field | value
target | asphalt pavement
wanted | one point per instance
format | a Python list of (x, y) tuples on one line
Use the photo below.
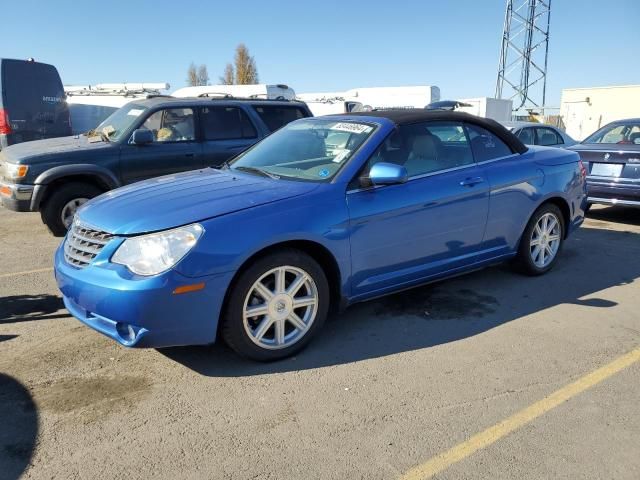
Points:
[(490, 375)]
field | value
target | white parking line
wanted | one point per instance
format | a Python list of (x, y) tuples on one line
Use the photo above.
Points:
[(26, 272)]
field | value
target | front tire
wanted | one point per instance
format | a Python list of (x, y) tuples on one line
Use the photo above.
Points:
[(59, 209), (276, 306), (541, 241)]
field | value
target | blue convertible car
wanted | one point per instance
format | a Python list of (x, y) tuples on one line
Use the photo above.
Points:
[(323, 213)]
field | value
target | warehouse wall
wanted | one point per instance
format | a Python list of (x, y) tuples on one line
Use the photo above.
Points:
[(584, 110)]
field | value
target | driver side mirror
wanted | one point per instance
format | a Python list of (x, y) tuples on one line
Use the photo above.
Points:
[(384, 173), (142, 136)]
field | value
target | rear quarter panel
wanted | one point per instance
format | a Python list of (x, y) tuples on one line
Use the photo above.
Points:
[(521, 183)]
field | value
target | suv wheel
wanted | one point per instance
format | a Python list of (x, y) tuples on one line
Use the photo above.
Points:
[(276, 306), (59, 209)]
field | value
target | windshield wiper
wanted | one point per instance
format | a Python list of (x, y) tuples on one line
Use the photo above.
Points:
[(260, 171)]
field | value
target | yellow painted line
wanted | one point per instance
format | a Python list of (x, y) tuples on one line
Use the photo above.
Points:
[(26, 272), (493, 434)]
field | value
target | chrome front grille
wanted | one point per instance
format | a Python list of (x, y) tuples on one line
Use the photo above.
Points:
[(83, 244)]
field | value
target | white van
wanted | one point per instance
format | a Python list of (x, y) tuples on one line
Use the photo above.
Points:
[(89, 105), (272, 92)]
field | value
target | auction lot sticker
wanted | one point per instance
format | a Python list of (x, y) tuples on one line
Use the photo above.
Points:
[(352, 127)]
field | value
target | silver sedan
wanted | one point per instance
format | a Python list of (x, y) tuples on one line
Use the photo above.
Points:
[(532, 133)]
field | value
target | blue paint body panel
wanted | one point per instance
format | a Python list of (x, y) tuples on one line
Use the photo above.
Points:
[(382, 238)]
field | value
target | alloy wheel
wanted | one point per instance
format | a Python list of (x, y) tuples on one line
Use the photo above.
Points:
[(545, 240), (280, 307)]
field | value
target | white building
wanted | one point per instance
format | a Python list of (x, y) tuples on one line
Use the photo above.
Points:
[(585, 110)]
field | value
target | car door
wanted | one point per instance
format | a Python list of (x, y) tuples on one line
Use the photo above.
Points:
[(401, 234), (226, 131), (514, 181), (174, 149)]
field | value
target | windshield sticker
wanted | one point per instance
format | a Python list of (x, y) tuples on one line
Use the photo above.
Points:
[(135, 112), (341, 155), (323, 173), (352, 127)]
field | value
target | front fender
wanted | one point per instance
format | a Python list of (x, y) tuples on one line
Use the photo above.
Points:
[(103, 175)]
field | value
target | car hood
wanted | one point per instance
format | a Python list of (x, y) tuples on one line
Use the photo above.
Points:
[(42, 150), (174, 200)]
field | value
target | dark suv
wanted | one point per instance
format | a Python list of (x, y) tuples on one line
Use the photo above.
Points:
[(144, 139)]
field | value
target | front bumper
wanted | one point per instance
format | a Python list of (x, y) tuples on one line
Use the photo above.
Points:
[(620, 192), (15, 196), (141, 311)]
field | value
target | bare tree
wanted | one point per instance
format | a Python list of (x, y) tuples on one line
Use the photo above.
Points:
[(197, 75), (203, 75), (192, 75), (246, 70), (228, 77)]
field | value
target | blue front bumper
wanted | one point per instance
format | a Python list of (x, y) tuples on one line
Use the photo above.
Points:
[(142, 311)]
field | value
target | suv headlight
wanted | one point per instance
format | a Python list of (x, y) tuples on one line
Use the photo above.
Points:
[(157, 252), (15, 171)]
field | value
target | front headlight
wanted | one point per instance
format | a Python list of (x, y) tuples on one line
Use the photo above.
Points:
[(157, 252), (15, 171)]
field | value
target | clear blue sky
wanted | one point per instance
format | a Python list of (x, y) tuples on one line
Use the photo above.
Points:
[(320, 46)]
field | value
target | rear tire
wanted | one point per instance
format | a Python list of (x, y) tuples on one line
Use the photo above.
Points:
[(541, 241), (272, 287), (62, 203)]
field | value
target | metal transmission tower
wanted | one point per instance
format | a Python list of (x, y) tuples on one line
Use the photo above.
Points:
[(522, 72)]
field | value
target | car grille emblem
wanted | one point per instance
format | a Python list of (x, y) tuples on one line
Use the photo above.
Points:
[(607, 156)]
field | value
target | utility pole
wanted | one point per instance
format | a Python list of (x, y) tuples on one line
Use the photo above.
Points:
[(522, 70)]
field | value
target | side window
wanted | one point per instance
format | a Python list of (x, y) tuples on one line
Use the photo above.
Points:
[(226, 123), (547, 137), (426, 148), (526, 136), (486, 145), (275, 116), (171, 125)]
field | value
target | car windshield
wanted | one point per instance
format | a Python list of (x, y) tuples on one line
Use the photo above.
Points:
[(119, 122), (621, 133), (312, 150)]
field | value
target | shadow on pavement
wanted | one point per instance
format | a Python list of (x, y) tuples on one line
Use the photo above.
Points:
[(624, 215), (4, 338), (19, 420), (25, 308)]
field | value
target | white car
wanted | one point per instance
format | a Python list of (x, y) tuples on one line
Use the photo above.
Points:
[(532, 133)]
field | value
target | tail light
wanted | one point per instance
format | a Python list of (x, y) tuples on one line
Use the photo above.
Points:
[(5, 126), (583, 169)]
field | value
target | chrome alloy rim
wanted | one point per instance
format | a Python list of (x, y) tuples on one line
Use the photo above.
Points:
[(545, 240), (70, 209), (280, 307)]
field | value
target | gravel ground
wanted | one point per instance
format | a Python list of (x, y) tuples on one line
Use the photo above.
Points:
[(386, 386)]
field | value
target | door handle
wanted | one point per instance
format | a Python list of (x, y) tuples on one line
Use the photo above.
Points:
[(189, 155), (470, 182)]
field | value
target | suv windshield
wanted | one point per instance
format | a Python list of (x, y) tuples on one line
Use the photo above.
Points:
[(625, 133), (305, 149), (116, 124)]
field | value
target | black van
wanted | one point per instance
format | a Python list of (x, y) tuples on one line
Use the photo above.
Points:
[(32, 102)]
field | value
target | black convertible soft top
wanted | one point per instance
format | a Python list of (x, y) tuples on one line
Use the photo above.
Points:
[(416, 115)]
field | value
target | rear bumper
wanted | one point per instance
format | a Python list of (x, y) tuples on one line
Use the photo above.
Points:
[(16, 197), (622, 192)]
